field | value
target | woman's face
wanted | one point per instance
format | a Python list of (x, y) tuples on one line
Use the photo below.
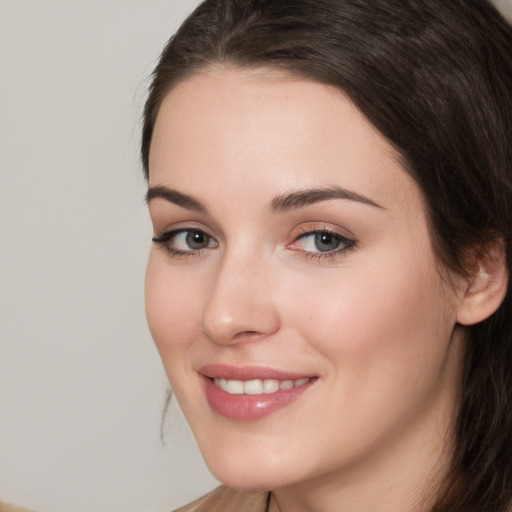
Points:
[(292, 292)]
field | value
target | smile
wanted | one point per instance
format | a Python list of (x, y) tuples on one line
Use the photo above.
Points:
[(258, 386), (251, 393)]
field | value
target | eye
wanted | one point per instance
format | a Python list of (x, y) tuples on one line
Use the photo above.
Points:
[(192, 240), (322, 243), (185, 241)]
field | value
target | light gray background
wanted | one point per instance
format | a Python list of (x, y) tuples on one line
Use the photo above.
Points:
[(81, 385)]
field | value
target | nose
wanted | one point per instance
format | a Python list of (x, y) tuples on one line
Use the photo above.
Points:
[(240, 305)]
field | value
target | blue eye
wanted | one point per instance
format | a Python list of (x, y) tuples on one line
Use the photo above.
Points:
[(326, 242), (192, 240), (183, 241), (322, 243)]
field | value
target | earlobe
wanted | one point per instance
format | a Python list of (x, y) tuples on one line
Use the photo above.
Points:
[(486, 285)]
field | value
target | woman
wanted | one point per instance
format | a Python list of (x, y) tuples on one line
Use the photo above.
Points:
[(329, 185)]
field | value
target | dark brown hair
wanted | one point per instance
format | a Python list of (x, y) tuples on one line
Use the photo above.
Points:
[(435, 78)]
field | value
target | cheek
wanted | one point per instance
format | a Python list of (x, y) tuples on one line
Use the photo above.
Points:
[(170, 307), (385, 341), (392, 328)]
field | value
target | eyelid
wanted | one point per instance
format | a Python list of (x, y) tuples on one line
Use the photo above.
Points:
[(171, 233), (314, 227), (308, 228), (165, 237), (165, 225), (348, 242)]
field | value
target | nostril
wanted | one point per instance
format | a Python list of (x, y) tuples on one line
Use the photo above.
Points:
[(249, 336)]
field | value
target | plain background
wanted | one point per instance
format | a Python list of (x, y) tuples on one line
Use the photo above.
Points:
[(81, 385)]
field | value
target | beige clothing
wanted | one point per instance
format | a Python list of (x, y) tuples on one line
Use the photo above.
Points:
[(7, 507), (224, 499)]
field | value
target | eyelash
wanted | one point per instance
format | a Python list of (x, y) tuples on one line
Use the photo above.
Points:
[(164, 238), (348, 244)]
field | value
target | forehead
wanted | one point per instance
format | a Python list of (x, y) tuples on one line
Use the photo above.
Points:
[(262, 128)]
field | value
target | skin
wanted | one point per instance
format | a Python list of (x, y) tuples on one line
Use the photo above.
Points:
[(376, 323)]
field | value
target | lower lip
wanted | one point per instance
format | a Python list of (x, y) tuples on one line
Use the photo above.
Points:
[(250, 407)]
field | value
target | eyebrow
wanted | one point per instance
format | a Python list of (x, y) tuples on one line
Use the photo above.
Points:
[(279, 204), (301, 198), (175, 197)]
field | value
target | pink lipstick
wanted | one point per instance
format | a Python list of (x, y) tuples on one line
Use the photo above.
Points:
[(250, 393)]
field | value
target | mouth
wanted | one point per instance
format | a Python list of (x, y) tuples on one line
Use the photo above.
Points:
[(251, 393), (258, 386)]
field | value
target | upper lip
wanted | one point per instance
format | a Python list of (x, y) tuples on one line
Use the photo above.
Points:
[(224, 371)]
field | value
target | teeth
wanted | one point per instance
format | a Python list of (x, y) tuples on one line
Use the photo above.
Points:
[(270, 386), (253, 387), (286, 384), (257, 386), (235, 387)]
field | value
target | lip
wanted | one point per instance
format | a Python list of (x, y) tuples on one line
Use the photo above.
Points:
[(224, 371), (249, 407)]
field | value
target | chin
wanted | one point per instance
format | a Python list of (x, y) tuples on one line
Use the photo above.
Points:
[(243, 472), (248, 483)]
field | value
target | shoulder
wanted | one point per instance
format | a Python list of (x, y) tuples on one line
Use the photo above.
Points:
[(224, 499)]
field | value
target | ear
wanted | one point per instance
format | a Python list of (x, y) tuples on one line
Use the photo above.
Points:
[(486, 284)]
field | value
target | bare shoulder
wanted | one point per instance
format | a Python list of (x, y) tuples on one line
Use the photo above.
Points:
[(224, 499)]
